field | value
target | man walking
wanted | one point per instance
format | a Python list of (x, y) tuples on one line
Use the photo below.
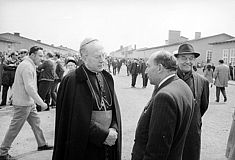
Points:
[(134, 70), (222, 76), (24, 98)]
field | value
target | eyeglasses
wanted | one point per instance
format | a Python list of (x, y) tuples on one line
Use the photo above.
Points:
[(23, 52), (187, 58)]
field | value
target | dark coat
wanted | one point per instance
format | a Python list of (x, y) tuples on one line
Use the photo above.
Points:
[(134, 69), (73, 116), (9, 69), (1, 69), (47, 70), (193, 139), (164, 123), (59, 70), (142, 69)]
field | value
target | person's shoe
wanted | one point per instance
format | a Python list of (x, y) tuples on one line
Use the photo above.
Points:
[(7, 157), (48, 109), (39, 109), (45, 147), (216, 100), (225, 99)]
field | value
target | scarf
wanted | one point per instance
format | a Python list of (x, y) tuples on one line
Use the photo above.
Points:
[(187, 78)]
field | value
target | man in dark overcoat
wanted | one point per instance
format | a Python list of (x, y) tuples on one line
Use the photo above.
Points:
[(143, 67), (200, 88), (88, 121), (134, 71), (164, 123)]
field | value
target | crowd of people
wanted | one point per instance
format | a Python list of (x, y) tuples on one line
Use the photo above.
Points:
[(50, 71), (88, 118), (134, 67)]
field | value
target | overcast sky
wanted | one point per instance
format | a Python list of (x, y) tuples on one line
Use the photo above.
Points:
[(122, 22)]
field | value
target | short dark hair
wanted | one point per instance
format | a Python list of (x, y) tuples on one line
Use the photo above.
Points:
[(221, 61), (57, 55), (49, 55), (13, 53), (34, 49), (167, 60)]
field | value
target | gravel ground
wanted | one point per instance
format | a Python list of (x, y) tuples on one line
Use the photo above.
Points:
[(215, 129)]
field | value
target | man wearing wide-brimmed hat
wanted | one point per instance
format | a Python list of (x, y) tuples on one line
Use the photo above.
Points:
[(186, 57)]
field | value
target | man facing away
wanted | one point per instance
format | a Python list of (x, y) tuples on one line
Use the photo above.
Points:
[(88, 121), (134, 70), (199, 86), (221, 75), (24, 98), (164, 123)]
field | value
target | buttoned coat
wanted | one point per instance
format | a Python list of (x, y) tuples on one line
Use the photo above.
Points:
[(221, 75), (164, 123), (193, 140)]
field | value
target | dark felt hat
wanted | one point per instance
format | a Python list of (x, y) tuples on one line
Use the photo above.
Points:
[(186, 49)]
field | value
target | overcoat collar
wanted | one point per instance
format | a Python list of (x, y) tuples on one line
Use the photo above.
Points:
[(156, 89)]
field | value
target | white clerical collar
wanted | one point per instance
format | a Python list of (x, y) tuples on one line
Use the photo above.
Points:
[(168, 77)]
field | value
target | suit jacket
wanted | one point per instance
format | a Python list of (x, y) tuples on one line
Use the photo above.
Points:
[(164, 123), (47, 70), (73, 117), (193, 140), (221, 75)]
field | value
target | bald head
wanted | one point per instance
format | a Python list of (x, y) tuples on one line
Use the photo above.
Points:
[(165, 58), (160, 65), (90, 45)]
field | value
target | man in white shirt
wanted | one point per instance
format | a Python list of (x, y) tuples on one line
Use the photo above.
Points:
[(25, 96)]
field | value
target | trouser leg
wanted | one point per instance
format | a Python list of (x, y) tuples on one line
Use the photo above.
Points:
[(223, 92), (127, 71), (34, 121), (54, 92), (19, 117), (4, 94), (48, 93), (43, 91), (217, 93), (145, 80), (134, 76)]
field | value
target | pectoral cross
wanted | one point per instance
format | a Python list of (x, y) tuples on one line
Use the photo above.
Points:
[(102, 103)]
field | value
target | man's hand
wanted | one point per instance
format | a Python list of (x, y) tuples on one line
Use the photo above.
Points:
[(44, 106), (111, 138)]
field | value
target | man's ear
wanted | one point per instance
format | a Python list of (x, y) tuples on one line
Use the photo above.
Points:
[(160, 67)]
